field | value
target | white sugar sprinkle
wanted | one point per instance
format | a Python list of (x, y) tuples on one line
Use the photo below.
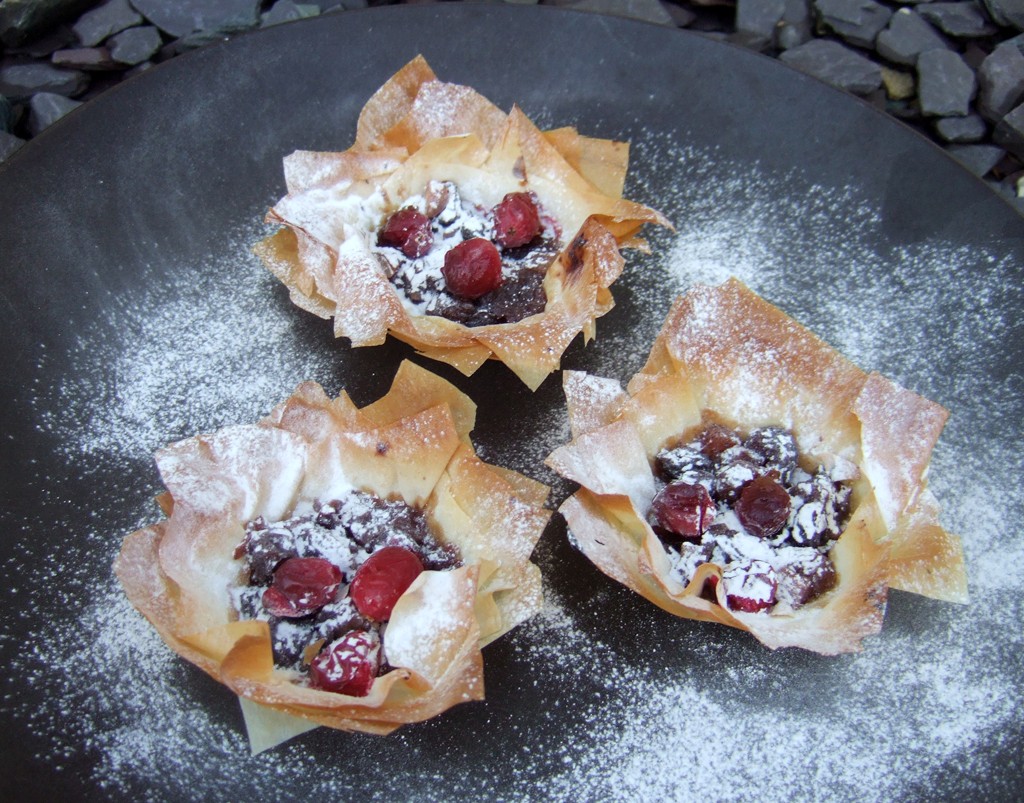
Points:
[(582, 719)]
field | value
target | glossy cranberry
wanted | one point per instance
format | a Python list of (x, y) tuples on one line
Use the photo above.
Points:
[(710, 586), (683, 509), (382, 579), (472, 268), (516, 220), (409, 231), (347, 665), (301, 586), (738, 602), (763, 507)]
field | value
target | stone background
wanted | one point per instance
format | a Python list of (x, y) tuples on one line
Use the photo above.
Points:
[(953, 70)]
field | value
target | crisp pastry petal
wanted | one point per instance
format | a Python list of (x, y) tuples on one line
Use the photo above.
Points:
[(411, 444), (726, 355), (416, 129)]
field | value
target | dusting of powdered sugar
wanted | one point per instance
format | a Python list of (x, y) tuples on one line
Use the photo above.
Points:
[(918, 699), (600, 696), (208, 346)]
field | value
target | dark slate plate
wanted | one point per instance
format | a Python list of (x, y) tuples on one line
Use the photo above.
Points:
[(133, 315)]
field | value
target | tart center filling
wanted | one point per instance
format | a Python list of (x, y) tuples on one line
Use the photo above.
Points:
[(469, 264), (327, 581), (746, 504)]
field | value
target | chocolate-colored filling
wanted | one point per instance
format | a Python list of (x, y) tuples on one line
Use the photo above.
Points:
[(343, 533), (745, 504), (451, 221)]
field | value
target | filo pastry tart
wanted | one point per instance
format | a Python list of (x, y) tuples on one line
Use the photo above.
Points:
[(461, 230), (751, 475), (339, 566)]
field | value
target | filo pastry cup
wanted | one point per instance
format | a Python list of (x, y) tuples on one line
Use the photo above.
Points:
[(726, 355), (416, 129), (412, 444)]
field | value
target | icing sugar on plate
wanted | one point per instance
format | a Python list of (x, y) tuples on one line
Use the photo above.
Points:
[(601, 696)]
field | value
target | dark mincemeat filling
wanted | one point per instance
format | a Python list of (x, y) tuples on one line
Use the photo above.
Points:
[(744, 503), (345, 532), (520, 295)]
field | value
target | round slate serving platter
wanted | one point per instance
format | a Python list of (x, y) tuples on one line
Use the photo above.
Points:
[(134, 315)]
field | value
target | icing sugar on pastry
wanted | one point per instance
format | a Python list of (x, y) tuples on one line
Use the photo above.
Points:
[(497, 295), (833, 466), (299, 556)]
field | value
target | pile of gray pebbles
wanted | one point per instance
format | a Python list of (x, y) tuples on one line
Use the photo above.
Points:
[(952, 69)]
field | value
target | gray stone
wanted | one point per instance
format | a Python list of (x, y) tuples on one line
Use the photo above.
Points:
[(23, 20), (84, 58), (9, 144), (20, 81), (1008, 189), (979, 159), (945, 84), (1010, 132), (193, 41), (6, 114), (681, 17), (138, 68), (907, 37), (647, 10), (835, 64), (342, 5), (1009, 13), (904, 110), (1017, 41), (45, 109), (1000, 81), (46, 45), (796, 26), (757, 21), (790, 36), (286, 11), (183, 17), (106, 20), (135, 45), (971, 128), (856, 21), (798, 12), (974, 54), (965, 20)]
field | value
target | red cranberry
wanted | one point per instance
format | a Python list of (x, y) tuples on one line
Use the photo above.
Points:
[(763, 507), (382, 579), (516, 220), (409, 231), (684, 509), (748, 604), (472, 268), (301, 586), (708, 591), (750, 587), (347, 665)]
